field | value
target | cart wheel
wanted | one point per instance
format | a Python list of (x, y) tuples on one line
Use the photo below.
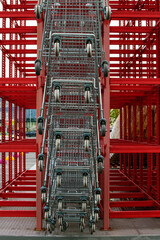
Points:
[(59, 205), (108, 13), (48, 227), (85, 181), (40, 165), (91, 230), (87, 96), (61, 228), (82, 221), (57, 95), (46, 214), (53, 227), (93, 227), (89, 49), (81, 227), (100, 167), (58, 180), (84, 206), (96, 216), (60, 221), (103, 130), (38, 11), (56, 48), (40, 128), (57, 144), (105, 70), (38, 68), (98, 197), (43, 197), (86, 143)]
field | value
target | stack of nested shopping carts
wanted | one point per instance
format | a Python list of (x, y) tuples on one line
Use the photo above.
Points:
[(71, 113)]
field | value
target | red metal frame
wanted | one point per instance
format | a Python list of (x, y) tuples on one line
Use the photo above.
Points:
[(18, 88), (134, 79), (132, 46)]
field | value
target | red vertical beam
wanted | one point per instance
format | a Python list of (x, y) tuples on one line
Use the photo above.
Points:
[(20, 138), (11, 46), (158, 104), (15, 47), (141, 138), (10, 104), (39, 96), (125, 123), (10, 139), (158, 142), (149, 155), (121, 137), (129, 138), (134, 139), (3, 49), (24, 136), (3, 140), (15, 138), (3, 105), (125, 137), (106, 106)]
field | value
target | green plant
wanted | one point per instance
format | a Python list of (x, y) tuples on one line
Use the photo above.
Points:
[(114, 113)]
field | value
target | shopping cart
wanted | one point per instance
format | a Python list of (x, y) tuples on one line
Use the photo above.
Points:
[(71, 54)]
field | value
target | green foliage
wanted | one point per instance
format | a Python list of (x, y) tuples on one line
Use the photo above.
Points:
[(114, 113)]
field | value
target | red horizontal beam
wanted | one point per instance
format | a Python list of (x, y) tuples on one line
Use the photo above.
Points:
[(18, 42), (27, 70), (134, 149), (18, 80), (22, 94), (24, 65), (120, 183), (137, 14), (28, 178), (131, 29), (17, 203), (123, 188), (132, 74), (127, 195), (120, 65), (135, 80), (146, 203), (135, 214), (17, 195), (21, 6), (19, 30), (25, 59), (18, 88), (29, 15), (25, 183), (18, 188), (116, 178), (17, 213), (126, 42), (33, 173), (132, 59), (132, 88), (118, 51), (19, 146), (126, 94), (24, 51)]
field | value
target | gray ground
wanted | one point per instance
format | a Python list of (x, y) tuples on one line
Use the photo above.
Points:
[(119, 227)]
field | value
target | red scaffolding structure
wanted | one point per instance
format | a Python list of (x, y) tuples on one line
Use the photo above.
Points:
[(132, 45)]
